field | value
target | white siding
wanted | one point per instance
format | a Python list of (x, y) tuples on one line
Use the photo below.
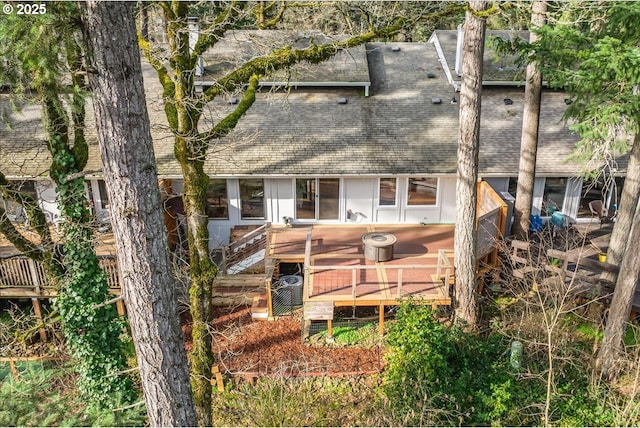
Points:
[(538, 195), (279, 199), (360, 196), (572, 197)]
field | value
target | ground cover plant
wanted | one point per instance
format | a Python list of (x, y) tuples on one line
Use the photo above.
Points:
[(45, 394)]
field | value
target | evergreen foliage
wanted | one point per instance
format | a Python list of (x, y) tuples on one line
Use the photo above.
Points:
[(42, 54), (595, 59), (44, 396)]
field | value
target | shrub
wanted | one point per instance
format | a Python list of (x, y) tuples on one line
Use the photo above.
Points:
[(443, 375)]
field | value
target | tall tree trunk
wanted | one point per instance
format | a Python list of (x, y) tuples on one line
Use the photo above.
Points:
[(628, 201), (529, 139), (203, 271), (624, 242), (613, 340), (136, 212), (466, 305)]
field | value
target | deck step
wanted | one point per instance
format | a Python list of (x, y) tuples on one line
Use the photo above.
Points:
[(260, 307), (246, 261), (239, 280), (238, 289)]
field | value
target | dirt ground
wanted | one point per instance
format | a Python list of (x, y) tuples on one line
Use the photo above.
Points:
[(256, 348)]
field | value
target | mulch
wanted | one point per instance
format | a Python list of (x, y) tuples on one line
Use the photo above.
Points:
[(247, 348)]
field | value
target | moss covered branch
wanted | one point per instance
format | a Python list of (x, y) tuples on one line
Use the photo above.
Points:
[(263, 10), (18, 240), (286, 57), (227, 124), (214, 31), (485, 13)]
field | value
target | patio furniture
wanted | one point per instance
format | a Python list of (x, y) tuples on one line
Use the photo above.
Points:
[(598, 211), (378, 246)]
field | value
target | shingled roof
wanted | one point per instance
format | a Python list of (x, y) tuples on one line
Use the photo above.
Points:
[(497, 69), (396, 130), (347, 68)]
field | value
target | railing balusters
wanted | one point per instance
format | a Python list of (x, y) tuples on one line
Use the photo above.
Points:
[(23, 272)]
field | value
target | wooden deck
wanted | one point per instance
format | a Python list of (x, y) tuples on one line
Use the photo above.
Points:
[(337, 271)]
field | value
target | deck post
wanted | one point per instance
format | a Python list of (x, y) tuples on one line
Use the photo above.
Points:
[(270, 297), (329, 329), (37, 309), (307, 266), (122, 311), (381, 319), (353, 284), (399, 284), (14, 369)]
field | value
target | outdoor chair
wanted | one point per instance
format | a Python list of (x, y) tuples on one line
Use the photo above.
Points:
[(598, 211)]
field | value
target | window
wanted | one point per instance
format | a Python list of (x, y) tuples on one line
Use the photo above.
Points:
[(104, 198), (513, 186), (604, 188), (554, 191), (306, 198), (387, 191), (217, 206), (252, 198), (422, 191)]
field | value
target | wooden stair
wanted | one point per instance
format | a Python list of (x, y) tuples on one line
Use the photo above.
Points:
[(260, 307), (237, 289), (242, 248)]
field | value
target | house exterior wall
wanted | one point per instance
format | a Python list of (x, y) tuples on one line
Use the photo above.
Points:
[(46, 190), (357, 195), (572, 194), (360, 195)]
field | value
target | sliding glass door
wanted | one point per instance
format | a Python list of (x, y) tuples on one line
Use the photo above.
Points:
[(318, 198)]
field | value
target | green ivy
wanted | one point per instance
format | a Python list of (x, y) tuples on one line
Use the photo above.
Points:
[(93, 334)]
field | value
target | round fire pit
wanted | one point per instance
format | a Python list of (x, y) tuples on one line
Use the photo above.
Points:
[(378, 246)]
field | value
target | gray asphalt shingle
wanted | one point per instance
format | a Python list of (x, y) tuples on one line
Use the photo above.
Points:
[(396, 130)]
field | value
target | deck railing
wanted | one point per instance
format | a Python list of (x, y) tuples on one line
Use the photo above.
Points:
[(29, 276), (245, 246), (443, 275)]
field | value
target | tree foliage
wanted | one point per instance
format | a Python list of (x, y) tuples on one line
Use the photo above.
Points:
[(598, 63), (596, 60), (184, 108), (42, 58)]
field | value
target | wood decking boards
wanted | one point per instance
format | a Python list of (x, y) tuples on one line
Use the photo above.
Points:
[(339, 248)]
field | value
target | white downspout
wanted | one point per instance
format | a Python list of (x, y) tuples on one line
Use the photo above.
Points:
[(458, 66)]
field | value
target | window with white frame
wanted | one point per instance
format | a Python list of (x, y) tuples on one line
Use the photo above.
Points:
[(422, 191), (217, 199), (252, 198), (387, 190)]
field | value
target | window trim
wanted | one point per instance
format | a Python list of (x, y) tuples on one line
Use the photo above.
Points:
[(395, 195), (437, 192), (242, 217)]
